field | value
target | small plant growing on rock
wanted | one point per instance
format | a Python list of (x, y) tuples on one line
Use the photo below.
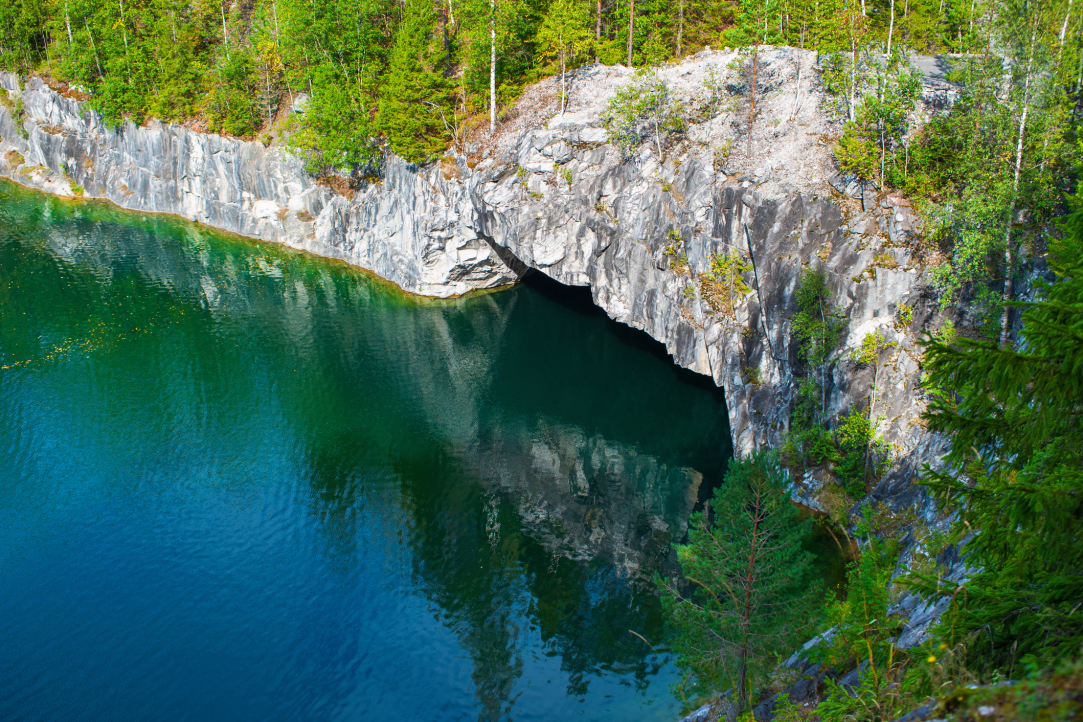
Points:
[(884, 259), (641, 109), (723, 284), (753, 374), (566, 174), (904, 317)]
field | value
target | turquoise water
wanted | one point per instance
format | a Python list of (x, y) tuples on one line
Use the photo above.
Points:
[(242, 483)]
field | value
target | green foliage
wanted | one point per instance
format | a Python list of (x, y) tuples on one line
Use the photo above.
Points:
[(859, 452), (723, 285), (809, 441), (854, 615), (414, 82), (870, 348), (752, 593), (856, 152), (882, 120), (335, 133), (564, 34), (816, 324), (641, 109), (14, 103), (230, 105), (1015, 474)]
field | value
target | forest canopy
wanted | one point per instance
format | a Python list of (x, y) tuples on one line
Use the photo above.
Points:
[(407, 73)]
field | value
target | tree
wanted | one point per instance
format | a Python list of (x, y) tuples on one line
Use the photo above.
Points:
[(640, 109), (816, 325), (751, 593), (564, 34), (1026, 31), (1015, 475), (415, 93)]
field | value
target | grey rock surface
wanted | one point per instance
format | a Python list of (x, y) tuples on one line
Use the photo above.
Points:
[(413, 228)]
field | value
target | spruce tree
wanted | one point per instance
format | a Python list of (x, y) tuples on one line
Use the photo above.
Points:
[(1015, 474), (414, 101), (750, 595)]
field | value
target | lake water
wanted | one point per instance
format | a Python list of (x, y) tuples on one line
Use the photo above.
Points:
[(242, 483)]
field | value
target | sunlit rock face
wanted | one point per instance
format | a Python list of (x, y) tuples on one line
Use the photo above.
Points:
[(413, 228), (551, 194)]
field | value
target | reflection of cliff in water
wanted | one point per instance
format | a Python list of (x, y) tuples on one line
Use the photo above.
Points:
[(541, 463)]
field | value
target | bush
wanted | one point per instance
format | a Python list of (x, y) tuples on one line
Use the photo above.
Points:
[(642, 109)]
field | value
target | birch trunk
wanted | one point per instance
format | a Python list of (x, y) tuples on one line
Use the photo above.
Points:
[(597, 30), (891, 27), (225, 34), (752, 108), (492, 66), (1009, 252)]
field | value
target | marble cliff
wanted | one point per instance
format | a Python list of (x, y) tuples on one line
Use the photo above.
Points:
[(550, 193)]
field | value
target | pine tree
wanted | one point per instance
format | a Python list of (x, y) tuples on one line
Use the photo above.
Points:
[(752, 596), (415, 94)]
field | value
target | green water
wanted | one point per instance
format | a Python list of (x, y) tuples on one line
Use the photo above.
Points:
[(238, 482)]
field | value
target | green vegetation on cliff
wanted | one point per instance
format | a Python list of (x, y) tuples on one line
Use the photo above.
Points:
[(420, 75)]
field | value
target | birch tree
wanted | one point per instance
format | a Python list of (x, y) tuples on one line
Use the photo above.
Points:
[(563, 35)]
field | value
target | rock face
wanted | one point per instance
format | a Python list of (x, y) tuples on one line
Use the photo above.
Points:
[(556, 197), (413, 228)]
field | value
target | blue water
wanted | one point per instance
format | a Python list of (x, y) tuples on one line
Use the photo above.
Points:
[(241, 483)]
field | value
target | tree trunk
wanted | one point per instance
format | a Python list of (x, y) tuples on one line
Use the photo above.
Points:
[(1064, 28), (823, 341), (93, 45), (631, 28), (853, 78), (225, 34), (1009, 252), (756, 509), (891, 27), (563, 87), (797, 97), (67, 22), (680, 27), (882, 156), (597, 30), (742, 681), (492, 66)]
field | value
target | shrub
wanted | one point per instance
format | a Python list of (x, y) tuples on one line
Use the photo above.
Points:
[(642, 109)]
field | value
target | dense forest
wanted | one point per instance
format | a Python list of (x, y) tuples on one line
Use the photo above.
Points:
[(414, 73)]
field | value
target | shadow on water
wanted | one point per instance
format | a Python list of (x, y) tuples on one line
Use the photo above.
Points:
[(515, 467), (578, 299)]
